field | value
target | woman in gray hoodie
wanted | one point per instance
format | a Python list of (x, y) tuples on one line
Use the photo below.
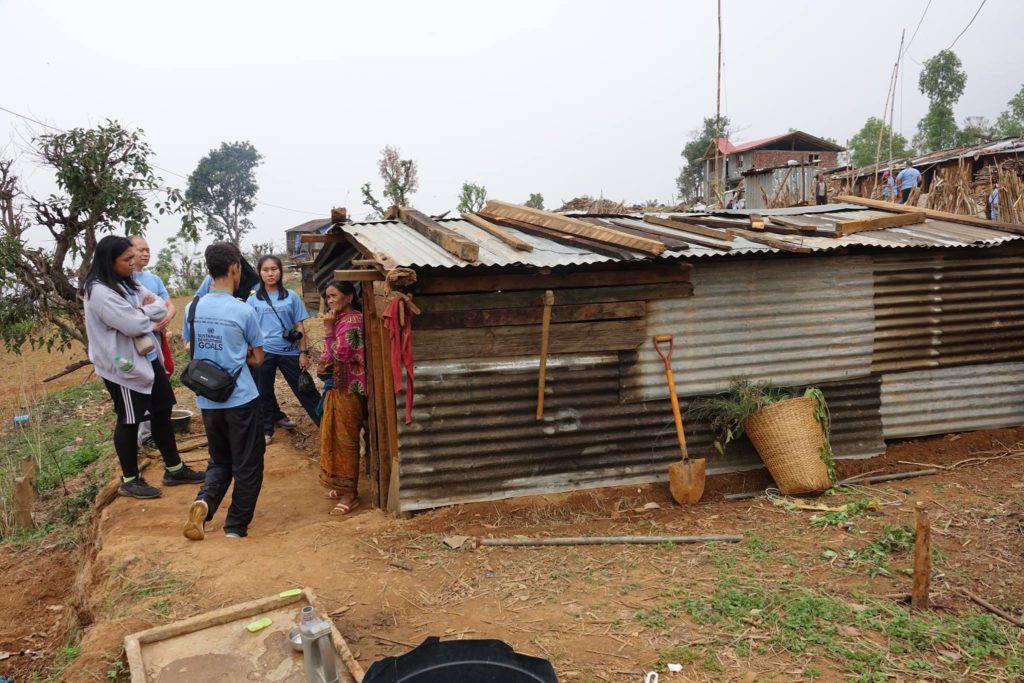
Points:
[(119, 318)]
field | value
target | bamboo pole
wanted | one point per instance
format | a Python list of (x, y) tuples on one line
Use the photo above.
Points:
[(922, 558)]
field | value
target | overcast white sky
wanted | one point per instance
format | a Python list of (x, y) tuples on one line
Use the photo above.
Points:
[(562, 98)]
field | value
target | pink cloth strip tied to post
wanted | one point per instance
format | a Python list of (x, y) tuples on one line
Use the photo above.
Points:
[(398, 319)]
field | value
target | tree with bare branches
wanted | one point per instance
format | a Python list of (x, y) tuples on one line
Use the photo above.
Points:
[(400, 178), (105, 184)]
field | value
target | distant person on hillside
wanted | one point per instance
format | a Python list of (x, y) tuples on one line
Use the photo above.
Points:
[(227, 333), (120, 316), (888, 186), (280, 313), (820, 190), (992, 205), (153, 283), (907, 180)]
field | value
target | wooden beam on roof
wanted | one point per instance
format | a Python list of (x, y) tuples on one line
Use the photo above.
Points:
[(573, 226), (803, 225), (756, 221), (563, 237), (695, 225), (772, 242), (322, 239), (688, 238), (933, 213), (449, 240), (359, 275), (893, 220), (501, 233), (669, 273), (671, 241)]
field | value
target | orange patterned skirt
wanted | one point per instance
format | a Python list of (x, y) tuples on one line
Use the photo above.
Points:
[(344, 415)]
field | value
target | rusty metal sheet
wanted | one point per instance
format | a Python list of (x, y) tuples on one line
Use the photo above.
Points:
[(855, 409), (794, 321), (955, 399), (946, 308)]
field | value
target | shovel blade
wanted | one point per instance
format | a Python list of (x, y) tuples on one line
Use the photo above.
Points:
[(686, 481)]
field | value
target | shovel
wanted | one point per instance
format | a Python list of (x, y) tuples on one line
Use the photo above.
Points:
[(686, 478)]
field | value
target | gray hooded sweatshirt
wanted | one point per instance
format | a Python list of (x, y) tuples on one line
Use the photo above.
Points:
[(112, 322)]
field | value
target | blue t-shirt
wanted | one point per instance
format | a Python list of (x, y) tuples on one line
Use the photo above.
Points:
[(153, 283), (907, 179), (204, 288), (225, 329), (291, 310)]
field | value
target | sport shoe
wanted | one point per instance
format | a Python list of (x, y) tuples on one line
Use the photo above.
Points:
[(138, 488), (186, 475), (195, 527), (232, 534), (286, 423)]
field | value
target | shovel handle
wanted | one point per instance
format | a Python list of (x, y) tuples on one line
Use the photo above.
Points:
[(663, 339), (671, 380)]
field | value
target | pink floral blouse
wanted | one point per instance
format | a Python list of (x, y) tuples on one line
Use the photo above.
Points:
[(345, 350)]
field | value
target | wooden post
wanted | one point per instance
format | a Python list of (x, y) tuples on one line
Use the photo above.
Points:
[(922, 558), (545, 330)]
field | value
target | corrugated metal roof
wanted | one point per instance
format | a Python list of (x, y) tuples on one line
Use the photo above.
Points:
[(943, 400), (406, 247), (1007, 146), (793, 322)]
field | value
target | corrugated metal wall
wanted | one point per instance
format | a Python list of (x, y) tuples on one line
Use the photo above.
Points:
[(793, 321), (942, 308), (953, 399), (800, 181)]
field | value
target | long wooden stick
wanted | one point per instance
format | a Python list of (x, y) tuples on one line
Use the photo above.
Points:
[(886, 477), (545, 331), (608, 540), (497, 231), (982, 602), (922, 558)]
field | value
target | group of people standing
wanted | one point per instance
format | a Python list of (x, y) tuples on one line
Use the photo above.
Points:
[(252, 335)]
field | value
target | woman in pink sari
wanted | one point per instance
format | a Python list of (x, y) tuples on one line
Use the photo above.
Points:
[(344, 357)]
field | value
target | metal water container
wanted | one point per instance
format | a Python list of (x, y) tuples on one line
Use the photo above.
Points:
[(318, 658)]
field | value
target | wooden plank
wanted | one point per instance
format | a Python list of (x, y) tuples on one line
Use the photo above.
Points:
[(565, 238), (895, 220), (671, 241), (679, 272), (757, 222), (317, 238), (374, 395), (524, 340), (691, 225), (359, 275), (804, 223), (432, 304), (764, 239), (391, 458), (496, 317), (497, 231), (933, 213), (449, 240), (573, 226)]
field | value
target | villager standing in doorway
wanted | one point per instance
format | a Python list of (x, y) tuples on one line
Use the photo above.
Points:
[(120, 316), (344, 410), (820, 190), (280, 313)]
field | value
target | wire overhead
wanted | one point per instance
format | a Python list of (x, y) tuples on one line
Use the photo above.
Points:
[(968, 25)]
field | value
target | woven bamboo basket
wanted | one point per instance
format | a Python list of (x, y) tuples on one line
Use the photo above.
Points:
[(789, 438)]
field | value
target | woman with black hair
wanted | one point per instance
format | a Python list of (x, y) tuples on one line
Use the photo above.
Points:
[(119, 317), (280, 313), (344, 358)]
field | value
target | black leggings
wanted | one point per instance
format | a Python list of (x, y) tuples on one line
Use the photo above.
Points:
[(126, 443)]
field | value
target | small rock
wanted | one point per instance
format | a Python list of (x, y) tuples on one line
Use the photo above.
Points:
[(849, 631)]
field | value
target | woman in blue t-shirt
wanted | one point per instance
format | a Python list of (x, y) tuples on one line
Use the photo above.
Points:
[(280, 313)]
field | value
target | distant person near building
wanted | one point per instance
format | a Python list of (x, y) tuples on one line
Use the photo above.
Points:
[(907, 180), (992, 205), (820, 190), (888, 186)]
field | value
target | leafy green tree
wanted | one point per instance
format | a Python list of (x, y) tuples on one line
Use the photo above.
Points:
[(976, 131), (1011, 122), (942, 81), (536, 201), (223, 187), (181, 265), (472, 198), (864, 145), (692, 173), (105, 184), (401, 180)]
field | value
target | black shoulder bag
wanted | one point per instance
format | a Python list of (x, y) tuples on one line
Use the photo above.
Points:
[(205, 377)]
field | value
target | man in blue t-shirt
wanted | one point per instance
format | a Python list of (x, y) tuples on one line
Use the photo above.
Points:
[(226, 332), (907, 180)]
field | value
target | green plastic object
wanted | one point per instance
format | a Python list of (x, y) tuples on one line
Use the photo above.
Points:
[(290, 593), (259, 624)]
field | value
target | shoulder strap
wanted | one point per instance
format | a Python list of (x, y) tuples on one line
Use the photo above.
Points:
[(270, 303), (192, 328)]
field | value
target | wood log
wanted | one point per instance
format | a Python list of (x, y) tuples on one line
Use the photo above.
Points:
[(432, 304), (564, 238), (573, 226), (933, 213), (495, 317), (449, 240), (922, 558), (359, 275), (679, 272), (23, 498), (521, 340), (339, 214), (895, 220), (694, 225), (497, 231)]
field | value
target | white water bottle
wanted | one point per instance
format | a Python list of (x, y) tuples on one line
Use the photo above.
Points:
[(125, 364)]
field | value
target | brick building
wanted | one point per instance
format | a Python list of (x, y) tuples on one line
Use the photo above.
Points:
[(778, 150)]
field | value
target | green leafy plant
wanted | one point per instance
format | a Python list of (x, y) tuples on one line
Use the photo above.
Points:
[(728, 411), (821, 414)]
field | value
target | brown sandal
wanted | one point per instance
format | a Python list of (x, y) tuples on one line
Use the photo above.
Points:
[(344, 508)]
